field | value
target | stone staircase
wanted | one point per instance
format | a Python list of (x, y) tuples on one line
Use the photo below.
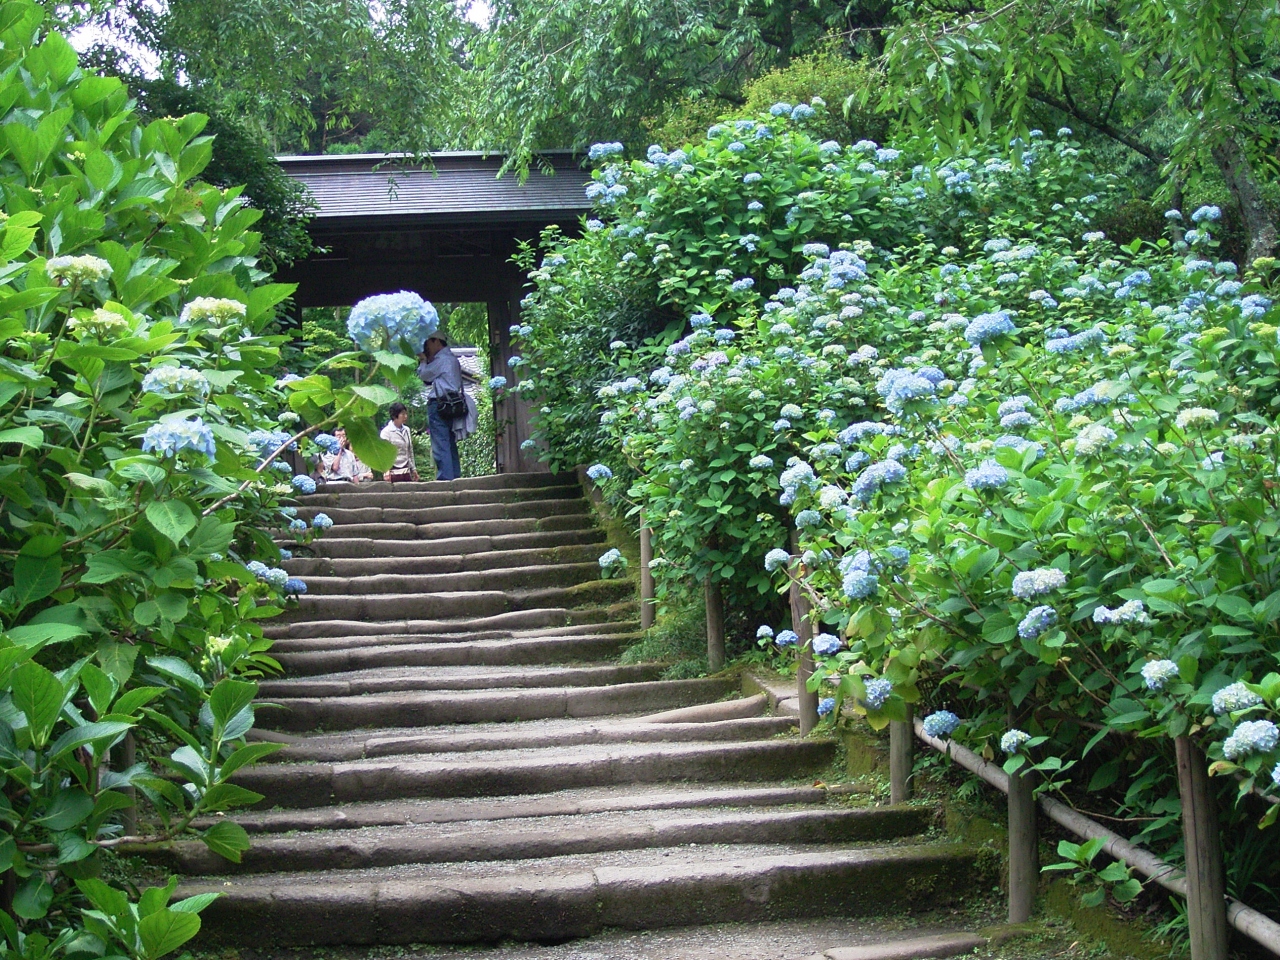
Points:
[(467, 761)]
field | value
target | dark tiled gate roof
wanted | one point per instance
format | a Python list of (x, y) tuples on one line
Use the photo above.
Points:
[(454, 188)]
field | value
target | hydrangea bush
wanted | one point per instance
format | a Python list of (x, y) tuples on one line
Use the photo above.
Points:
[(144, 488)]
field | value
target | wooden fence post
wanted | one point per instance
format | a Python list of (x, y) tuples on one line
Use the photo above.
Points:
[(128, 757), (804, 665), (1206, 883), (715, 625), (902, 738), (646, 579), (1024, 859)]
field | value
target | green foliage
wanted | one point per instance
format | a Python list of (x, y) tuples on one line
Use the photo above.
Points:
[(1115, 877), (139, 429)]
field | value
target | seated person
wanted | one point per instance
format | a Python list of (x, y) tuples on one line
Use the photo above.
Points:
[(343, 465)]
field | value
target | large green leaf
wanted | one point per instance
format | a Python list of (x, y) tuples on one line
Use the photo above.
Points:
[(38, 694), (173, 518), (377, 453), (165, 931), (227, 839), (228, 698), (34, 578), (79, 736)]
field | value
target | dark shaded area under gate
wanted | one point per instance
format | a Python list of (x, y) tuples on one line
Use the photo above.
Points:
[(446, 230)]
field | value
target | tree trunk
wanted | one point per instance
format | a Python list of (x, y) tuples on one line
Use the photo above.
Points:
[(1238, 172), (902, 737), (1024, 860), (715, 625), (646, 579)]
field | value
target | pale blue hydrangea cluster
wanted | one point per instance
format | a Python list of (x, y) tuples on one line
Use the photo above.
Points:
[(899, 386), (988, 475), (1014, 741), (1088, 397), (876, 476), (1131, 611), (599, 472), (295, 586), (742, 285), (826, 644), (392, 321), (1252, 736), (786, 638), (1037, 621), (941, 724), (826, 705), (878, 691), (267, 442), (1234, 698), (764, 632), (600, 151), (860, 577), (1036, 583), (303, 484), (611, 558), (1071, 344), (276, 576), (497, 383), (808, 518), (1207, 213), (321, 521), (1094, 439), (988, 326), (171, 381), (297, 526), (760, 462), (776, 559), (1156, 674), (327, 442), (168, 438)]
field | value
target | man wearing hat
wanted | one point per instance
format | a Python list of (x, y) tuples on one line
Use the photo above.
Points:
[(442, 373)]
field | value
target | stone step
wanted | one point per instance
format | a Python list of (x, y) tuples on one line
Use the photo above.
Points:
[(308, 567), (506, 705), (371, 744), (543, 837), (542, 617), (556, 900), (399, 677), (435, 495), (502, 579), (513, 772), (445, 631), (411, 530), (456, 604), (404, 652), (440, 516), (459, 546), (493, 481), (563, 803)]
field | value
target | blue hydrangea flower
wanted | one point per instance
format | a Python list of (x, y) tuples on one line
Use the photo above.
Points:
[(392, 321), (1234, 698), (941, 724), (599, 472), (171, 381), (1131, 611), (1036, 583), (827, 704), (277, 577), (825, 644), (295, 586), (1013, 741), (169, 437), (760, 462), (859, 584), (1252, 736), (776, 559), (988, 475), (987, 326), (600, 151), (742, 285), (257, 568), (303, 484), (786, 638), (808, 518), (286, 554), (321, 521), (1209, 212), (875, 476), (764, 632), (878, 691), (611, 558), (1037, 622), (497, 383), (327, 442), (1157, 673), (298, 526)]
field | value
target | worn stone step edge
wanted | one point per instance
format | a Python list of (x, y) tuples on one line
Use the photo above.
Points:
[(458, 604), (553, 907), (499, 652), (504, 579), (357, 496), (492, 481), (422, 844), (322, 749), (450, 563), (393, 637), (460, 513), (451, 530), (544, 617), (393, 813), (327, 784), (357, 548), (427, 708), (913, 948), (377, 681)]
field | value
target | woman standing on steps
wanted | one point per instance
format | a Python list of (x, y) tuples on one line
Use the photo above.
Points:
[(397, 432), (442, 374)]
